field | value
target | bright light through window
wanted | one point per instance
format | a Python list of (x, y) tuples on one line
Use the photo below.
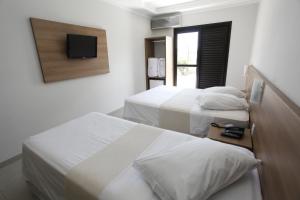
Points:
[(187, 45), (186, 77)]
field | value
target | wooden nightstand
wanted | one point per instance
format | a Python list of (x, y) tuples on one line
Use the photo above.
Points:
[(246, 141)]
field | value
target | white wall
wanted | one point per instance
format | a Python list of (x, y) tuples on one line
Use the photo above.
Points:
[(276, 50), (243, 25), (27, 105)]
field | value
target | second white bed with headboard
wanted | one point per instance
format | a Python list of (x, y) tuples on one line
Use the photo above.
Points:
[(145, 107)]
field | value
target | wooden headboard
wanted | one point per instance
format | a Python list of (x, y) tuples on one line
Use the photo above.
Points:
[(276, 140)]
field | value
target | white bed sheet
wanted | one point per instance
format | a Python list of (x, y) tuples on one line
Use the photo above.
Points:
[(50, 155), (144, 108)]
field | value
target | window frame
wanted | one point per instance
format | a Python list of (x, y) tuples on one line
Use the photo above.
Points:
[(196, 28), (181, 30)]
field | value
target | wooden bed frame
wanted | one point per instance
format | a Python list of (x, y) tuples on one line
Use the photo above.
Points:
[(276, 140)]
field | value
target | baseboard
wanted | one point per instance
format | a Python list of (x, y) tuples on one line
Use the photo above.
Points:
[(10, 161)]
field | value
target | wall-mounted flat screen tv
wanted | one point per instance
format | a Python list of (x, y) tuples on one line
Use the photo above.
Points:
[(81, 46)]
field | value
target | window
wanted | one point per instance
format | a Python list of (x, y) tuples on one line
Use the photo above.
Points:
[(187, 48), (187, 45), (186, 77), (201, 55)]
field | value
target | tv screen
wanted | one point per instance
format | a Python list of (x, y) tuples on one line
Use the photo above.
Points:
[(81, 46)]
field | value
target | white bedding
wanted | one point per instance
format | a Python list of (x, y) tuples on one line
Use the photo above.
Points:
[(144, 108), (50, 155)]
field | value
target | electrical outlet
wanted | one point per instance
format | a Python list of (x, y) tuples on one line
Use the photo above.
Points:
[(252, 128)]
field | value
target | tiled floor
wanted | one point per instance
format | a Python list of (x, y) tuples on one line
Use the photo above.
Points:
[(12, 183)]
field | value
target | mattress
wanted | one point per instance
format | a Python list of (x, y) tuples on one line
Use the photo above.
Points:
[(144, 108), (50, 155)]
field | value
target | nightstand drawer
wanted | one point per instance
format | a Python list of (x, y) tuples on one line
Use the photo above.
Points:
[(246, 141)]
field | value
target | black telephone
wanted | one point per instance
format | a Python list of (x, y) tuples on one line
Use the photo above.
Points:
[(230, 130)]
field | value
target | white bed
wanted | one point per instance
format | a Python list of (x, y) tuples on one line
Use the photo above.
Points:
[(50, 155), (144, 108)]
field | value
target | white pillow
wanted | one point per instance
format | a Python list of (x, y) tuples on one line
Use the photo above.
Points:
[(194, 170), (216, 101), (226, 90)]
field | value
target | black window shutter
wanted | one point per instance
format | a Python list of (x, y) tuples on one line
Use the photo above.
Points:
[(213, 50)]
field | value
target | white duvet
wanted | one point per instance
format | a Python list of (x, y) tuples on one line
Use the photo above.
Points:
[(144, 108), (50, 155)]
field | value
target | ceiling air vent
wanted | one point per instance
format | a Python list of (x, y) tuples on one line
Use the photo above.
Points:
[(165, 21)]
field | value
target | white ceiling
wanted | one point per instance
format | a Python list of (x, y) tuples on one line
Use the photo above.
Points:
[(157, 7)]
